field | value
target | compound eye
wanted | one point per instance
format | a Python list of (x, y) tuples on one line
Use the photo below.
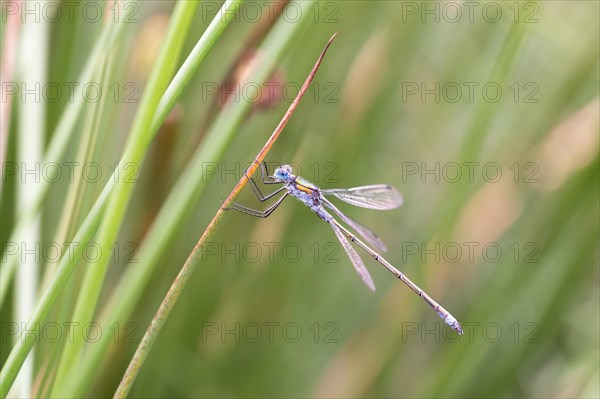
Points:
[(283, 172), (280, 174)]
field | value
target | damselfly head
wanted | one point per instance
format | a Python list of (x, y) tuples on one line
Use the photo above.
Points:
[(283, 173)]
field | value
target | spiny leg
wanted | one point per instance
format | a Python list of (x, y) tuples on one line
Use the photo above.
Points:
[(261, 197), (264, 171), (257, 213)]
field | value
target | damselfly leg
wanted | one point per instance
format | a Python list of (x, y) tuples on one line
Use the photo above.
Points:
[(265, 180), (261, 197), (254, 212)]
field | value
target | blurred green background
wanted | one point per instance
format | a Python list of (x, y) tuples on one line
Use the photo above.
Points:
[(485, 115)]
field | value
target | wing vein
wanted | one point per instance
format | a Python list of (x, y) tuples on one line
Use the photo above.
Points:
[(357, 262)]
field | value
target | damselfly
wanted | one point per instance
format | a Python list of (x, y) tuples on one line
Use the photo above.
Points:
[(378, 196)]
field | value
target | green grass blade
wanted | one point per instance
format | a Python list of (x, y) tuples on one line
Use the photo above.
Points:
[(60, 139), (139, 139), (180, 202)]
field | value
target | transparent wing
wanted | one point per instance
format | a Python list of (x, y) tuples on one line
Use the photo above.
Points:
[(361, 229), (378, 196), (357, 262)]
